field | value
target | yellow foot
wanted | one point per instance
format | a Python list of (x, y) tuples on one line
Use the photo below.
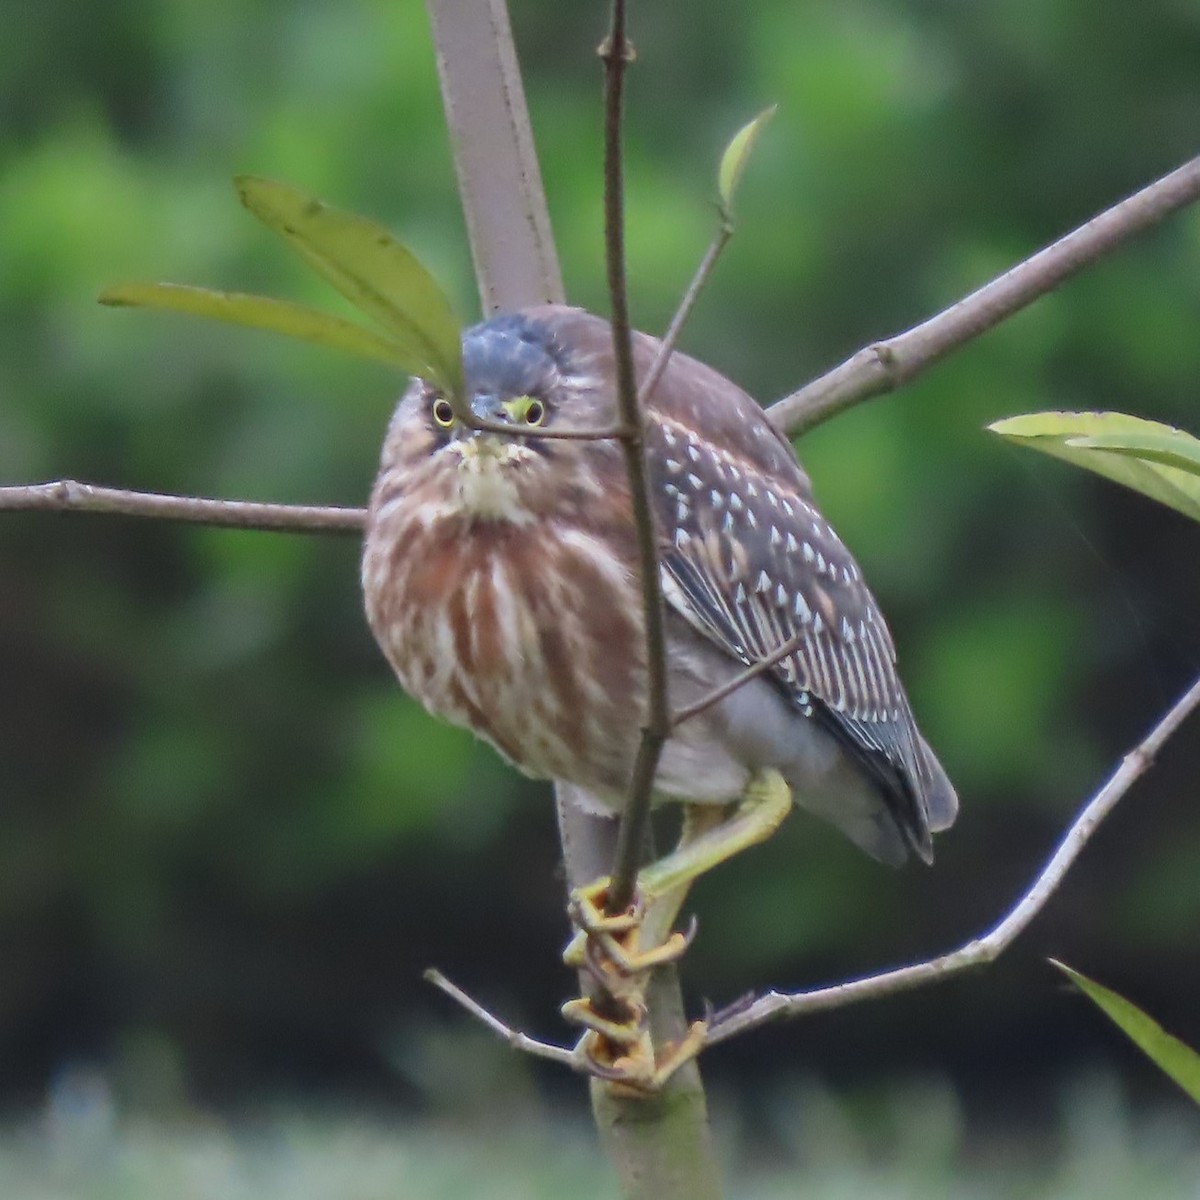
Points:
[(620, 950), (635, 1067), (615, 940)]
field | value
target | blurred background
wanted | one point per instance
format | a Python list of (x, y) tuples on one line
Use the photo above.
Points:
[(229, 844)]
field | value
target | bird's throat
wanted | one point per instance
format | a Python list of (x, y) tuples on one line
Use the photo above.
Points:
[(487, 484)]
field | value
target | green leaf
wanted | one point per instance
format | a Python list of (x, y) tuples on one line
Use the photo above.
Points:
[(1155, 459), (1175, 449), (372, 270), (260, 312), (736, 156), (1177, 1059)]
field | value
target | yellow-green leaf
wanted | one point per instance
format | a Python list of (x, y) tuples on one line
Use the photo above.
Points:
[(1176, 1058), (736, 156), (1158, 460), (261, 312), (1175, 449), (377, 274)]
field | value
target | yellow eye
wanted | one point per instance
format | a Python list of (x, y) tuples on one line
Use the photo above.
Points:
[(443, 412), (525, 410)]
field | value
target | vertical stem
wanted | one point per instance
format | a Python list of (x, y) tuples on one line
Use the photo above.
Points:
[(616, 54), (660, 1147), (504, 204)]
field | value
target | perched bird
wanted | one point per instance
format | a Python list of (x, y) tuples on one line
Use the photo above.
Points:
[(500, 579)]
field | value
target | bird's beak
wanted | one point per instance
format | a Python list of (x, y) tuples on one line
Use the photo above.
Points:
[(481, 443), (489, 407)]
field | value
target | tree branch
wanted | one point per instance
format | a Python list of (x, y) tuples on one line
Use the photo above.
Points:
[(534, 433), (875, 369), (884, 366), (508, 224), (989, 946), (753, 671), (695, 287), (616, 53), (514, 1037), (67, 495)]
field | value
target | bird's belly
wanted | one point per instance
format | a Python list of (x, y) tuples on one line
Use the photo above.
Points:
[(523, 635)]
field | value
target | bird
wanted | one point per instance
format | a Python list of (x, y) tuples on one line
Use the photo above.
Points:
[(500, 579)]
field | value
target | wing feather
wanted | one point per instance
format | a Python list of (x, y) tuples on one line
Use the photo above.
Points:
[(751, 563), (754, 565)]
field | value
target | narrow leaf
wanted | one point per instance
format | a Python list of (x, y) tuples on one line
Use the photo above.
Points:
[(1177, 1059), (1154, 459), (1176, 449), (371, 269), (736, 156), (262, 312)]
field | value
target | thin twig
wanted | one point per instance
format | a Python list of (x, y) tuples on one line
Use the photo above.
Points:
[(699, 279), (753, 671), (739, 149), (989, 946), (884, 366), (68, 495), (514, 1037), (620, 432), (616, 53), (860, 377)]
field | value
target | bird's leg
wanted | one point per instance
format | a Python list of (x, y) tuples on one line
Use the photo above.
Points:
[(620, 951), (710, 836)]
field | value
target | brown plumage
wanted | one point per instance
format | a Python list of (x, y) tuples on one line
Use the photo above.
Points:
[(500, 580)]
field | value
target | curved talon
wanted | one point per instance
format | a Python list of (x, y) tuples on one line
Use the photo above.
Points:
[(688, 935), (613, 1074), (602, 955), (608, 965), (594, 961), (638, 1070), (634, 1070)]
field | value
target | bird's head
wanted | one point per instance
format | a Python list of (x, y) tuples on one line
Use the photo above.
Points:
[(522, 372)]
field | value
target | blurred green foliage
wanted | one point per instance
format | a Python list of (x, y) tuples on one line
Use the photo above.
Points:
[(220, 822), (907, 1141)]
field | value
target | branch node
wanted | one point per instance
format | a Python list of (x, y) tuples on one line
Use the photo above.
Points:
[(889, 363), (628, 51)]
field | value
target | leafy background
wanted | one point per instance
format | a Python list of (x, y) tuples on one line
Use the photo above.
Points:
[(228, 844)]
